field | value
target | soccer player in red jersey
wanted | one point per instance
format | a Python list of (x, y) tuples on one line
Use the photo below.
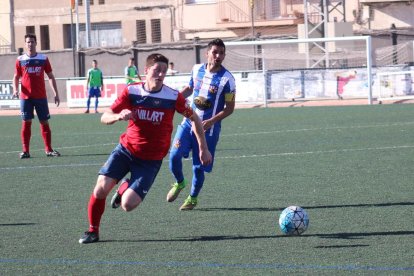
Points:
[(149, 109), (30, 68)]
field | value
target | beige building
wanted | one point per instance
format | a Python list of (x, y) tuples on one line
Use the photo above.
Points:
[(122, 23), (6, 35)]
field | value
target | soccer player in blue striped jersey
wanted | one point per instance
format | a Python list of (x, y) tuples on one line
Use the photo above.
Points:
[(211, 91)]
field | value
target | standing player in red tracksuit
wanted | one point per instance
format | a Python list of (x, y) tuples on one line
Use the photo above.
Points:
[(30, 68), (149, 109), (342, 79)]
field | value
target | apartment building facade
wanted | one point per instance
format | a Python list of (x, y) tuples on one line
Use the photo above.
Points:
[(122, 23)]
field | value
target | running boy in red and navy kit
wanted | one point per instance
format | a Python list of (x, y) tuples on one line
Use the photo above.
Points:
[(149, 109), (31, 67)]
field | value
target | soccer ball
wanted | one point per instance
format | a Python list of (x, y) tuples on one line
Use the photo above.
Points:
[(293, 220)]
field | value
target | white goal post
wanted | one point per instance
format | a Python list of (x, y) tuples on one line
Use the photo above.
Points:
[(295, 69)]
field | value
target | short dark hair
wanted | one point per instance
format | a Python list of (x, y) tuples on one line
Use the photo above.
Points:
[(131, 58), (30, 36), (216, 42), (154, 58)]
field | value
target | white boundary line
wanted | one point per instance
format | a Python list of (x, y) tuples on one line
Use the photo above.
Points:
[(227, 157), (239, 134)]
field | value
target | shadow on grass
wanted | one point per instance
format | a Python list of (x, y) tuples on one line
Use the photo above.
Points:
[(356, 235), (305, 207), (17, 224), (360, 235), (86, 154), (341, 246)]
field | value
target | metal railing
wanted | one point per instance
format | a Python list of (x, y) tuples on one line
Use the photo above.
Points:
[(5, 46)]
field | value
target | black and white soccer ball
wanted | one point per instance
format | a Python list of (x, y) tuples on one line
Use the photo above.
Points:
[(293, 220)]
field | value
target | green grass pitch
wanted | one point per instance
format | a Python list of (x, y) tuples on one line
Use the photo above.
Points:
[(350, 168)]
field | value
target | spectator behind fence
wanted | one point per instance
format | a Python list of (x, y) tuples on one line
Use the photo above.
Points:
[(171, 70)]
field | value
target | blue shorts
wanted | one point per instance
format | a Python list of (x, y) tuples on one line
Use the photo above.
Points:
[(143, 172), (94, 92), (28, 106), (186, 141)]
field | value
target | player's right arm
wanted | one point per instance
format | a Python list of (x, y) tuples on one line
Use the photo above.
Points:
[(126, 73), (16, 79), (109, 117), (87, 79), (120, 110)]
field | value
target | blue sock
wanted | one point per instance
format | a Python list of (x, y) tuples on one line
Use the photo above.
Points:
[(88, 103), (96, 104), (176, 166), (198, 181)]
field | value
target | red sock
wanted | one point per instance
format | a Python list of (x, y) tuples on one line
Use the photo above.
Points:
[(96, 208), (47, 136), (26, 134)]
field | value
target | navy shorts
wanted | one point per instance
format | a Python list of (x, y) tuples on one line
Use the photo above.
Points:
[(143, 172), (94, 92), (28, 106)]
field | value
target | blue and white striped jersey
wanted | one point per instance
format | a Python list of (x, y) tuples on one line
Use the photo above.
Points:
[(214, 89)]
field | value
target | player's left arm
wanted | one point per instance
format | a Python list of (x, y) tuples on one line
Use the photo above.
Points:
[(137, 75), (102, 83), (227, 111), (52, 83), (197, 125)]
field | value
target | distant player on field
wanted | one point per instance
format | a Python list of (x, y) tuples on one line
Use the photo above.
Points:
[(131, 72), (213, 92), (149, 109), (94, 85), (30, 68)]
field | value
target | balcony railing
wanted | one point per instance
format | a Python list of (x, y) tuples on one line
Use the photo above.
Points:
[(4, 46), (233, 11), (240, 11)]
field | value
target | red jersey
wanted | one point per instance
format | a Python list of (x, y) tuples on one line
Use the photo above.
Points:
[(148, 135), (31, 70)]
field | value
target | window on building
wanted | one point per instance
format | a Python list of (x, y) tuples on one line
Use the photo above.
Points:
[(44, 37), (69, 34), (101, 2), (30, 30), (156, 30), (106, 34), (141, 32)]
